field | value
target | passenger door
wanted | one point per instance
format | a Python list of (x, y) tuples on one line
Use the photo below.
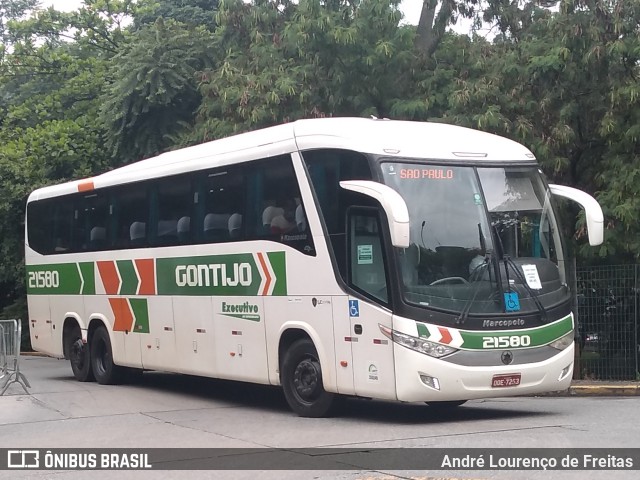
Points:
[(372, 352)]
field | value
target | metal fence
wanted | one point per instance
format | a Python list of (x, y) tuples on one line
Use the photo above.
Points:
[(607, 303), (10, 338)]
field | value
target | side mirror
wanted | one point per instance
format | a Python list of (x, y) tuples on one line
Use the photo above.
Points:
[(392, 203), (592, 211)]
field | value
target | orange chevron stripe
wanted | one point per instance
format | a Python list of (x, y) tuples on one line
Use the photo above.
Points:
[(266, 272), (146, 270), (446, 336), (123, 317), (109, 276)]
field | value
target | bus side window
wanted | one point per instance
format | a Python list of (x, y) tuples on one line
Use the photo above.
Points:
[(92, 223), (367, 272), (171, 210), (223, 193), (40, 219), (276, 205), (131, 212), (327, 168)]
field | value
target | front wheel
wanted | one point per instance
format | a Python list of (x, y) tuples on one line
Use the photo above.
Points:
[(105, 371), (301, 378)]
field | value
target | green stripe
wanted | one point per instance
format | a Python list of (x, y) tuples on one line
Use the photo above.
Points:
[(230, 275), (539, 336), (53, 279), (89, 276), (278, 266), (141, 315), (423, 331), (129, 278)]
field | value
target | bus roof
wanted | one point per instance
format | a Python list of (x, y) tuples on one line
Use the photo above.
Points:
[(435, 141)]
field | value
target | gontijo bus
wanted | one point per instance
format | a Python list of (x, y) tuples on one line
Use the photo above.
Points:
[(334, 257)]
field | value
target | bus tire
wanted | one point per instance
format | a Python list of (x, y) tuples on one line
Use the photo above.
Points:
[(301, 378), (79, 356), (446, 405), (105, 371)]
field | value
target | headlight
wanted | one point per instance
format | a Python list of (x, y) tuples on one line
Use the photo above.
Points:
[(421, 345), (563, 342)]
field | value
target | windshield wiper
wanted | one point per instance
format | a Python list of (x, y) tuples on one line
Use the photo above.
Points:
[(508, 261), (478, 274)]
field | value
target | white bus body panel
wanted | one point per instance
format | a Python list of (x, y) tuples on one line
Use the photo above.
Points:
[(465, 383), (195, 335), (372, 352)]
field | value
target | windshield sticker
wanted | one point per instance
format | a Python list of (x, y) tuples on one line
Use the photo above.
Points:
[(511, 301), (532, 277), (392, 170), (477, 199), (426, 173), (365, 254)]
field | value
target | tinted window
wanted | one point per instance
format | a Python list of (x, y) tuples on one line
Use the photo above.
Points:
[(327, 168), (367, 268), (222, 206), (276, 211), (172, 207), (92, 222), (131, 213), (39, 217), (256, 200)]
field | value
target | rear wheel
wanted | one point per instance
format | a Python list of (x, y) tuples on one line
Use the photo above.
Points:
[(301, 378), (79, 356), (105, 371)]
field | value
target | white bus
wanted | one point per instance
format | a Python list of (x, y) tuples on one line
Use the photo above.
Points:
[(407, 261)]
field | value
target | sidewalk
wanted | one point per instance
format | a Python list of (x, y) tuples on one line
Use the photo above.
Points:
[(603, 388)]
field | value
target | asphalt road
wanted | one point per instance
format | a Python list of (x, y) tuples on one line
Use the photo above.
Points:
[(166, 410)]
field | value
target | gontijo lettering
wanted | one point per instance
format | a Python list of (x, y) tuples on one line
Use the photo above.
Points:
[(213, 274)]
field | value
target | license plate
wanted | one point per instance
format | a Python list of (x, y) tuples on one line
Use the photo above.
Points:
[(508, 380)]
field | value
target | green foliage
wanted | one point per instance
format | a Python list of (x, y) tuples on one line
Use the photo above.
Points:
[(49, 128), (284, 61), (190, 12), (153, 93)]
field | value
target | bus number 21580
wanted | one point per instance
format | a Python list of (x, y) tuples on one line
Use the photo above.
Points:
[(44, 279), (513, 341)]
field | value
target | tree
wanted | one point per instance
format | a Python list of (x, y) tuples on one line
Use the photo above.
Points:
[(284, 61), (49, 128), (435, 17), (189, 12), (152, 96)]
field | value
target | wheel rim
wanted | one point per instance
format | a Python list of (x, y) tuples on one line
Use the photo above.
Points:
[(78, 354), (307, 380)]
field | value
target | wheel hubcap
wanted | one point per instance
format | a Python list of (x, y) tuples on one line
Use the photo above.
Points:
[(306, 379)]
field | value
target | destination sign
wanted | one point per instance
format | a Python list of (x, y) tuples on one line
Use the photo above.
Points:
[(426, 173)]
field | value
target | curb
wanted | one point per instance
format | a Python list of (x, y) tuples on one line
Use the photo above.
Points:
[(605, 390)]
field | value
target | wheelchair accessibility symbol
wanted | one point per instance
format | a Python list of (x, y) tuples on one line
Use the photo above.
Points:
[(511, 301), (354, 308)]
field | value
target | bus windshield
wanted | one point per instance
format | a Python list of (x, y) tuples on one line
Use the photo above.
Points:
[(482, 240)]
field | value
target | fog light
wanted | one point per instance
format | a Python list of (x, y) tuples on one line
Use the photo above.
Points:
[(565, 371), (431, 382)]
